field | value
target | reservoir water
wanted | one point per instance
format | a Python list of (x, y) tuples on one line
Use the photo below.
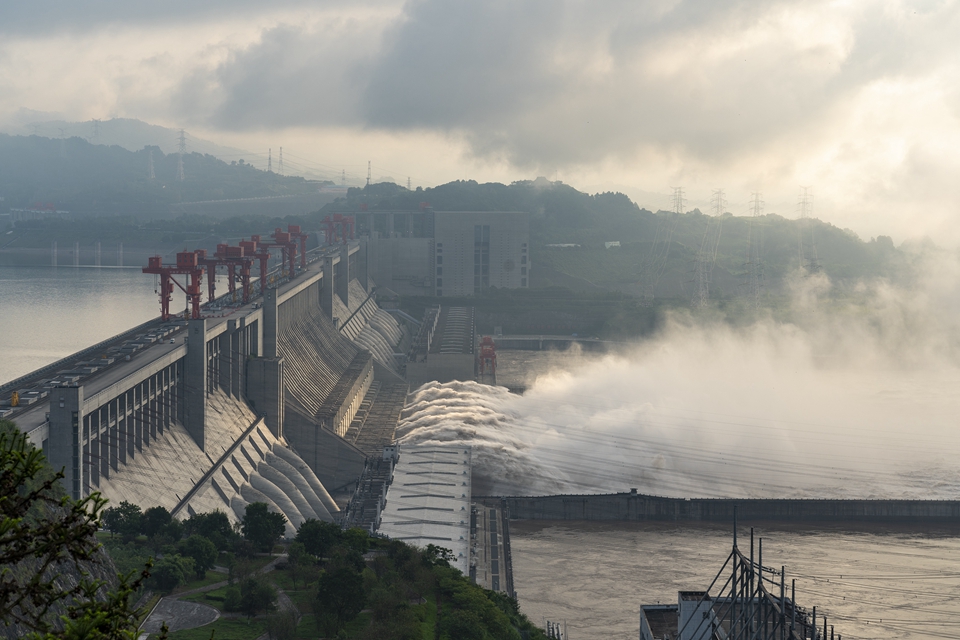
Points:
[(595, 576), (47, 313)]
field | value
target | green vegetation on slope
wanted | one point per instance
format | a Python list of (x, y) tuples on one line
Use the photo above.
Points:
[(81, 177)]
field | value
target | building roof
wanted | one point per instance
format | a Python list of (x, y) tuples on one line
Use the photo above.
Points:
[(428, 501)]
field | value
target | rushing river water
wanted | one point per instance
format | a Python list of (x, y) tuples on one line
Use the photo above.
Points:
[(595, 576), (47, 313)]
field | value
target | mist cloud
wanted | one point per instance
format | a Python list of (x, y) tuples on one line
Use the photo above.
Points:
[(846, 399)]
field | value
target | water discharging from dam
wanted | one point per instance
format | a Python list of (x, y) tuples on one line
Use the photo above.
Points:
[(846, 407)]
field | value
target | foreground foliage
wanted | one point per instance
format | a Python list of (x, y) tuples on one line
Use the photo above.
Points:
[(49, 553)]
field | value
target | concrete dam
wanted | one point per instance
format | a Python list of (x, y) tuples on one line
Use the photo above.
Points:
[(280, 400), (638, 507)]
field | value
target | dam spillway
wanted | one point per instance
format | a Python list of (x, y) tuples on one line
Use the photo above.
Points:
[(251, 403)]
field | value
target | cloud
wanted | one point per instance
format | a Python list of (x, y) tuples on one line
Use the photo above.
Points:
[(857, 99), (43, 17)]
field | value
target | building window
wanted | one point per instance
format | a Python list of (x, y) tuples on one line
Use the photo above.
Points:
[(523, 271), (440, 244), (439, 259), (523, 259), (439, 282), (439, 271), (481, 257), (523, 282)]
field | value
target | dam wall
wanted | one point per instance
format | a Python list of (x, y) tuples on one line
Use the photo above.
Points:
[(150, 415), (643, 508)]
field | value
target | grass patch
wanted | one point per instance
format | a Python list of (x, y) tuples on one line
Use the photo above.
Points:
[(212, 577), (212, 598), (226, 629), (308, 626), (429, 611)]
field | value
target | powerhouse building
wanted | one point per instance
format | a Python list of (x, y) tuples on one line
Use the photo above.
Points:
[(447, 253)]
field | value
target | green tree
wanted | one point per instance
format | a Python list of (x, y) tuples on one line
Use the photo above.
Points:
[(282, 625), (154, 520), (214, 526), (170, 572), (202, 551), (462, 624), (43, 536), (340, 594), (438, 556), (256, 596), (357, 539), (318, 537), (231, 599), (261, 527), (124, 519), (296, 558)]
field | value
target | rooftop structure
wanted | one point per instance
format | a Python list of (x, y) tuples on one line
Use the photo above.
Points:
[(428, 501)]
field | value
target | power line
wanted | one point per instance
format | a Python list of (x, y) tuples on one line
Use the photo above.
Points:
[(182, 149)]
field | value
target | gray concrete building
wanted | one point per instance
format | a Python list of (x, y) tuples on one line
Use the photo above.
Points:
[(447, 253)]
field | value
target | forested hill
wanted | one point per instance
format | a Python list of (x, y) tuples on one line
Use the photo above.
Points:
[(75, 175), (563, 215)]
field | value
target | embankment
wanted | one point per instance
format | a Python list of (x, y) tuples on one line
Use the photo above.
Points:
[(639, 507)]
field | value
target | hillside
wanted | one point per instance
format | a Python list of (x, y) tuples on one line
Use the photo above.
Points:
[(563, 215), (86, 179)]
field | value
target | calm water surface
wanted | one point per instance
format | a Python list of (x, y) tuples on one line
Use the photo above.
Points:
[(47, 313), (870, 585)]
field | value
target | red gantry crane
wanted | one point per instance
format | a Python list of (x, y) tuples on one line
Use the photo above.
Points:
[(488, 354), (232, 258), (338, 229), (187, 264)]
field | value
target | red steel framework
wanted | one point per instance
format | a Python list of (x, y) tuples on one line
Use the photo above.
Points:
[(240, 258), (232, 258), (187, 264), (488, 353), (338, 229)]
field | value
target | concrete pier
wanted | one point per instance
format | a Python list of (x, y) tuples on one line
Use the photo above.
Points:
[(638, 507)]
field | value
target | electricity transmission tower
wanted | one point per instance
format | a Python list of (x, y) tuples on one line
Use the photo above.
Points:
[(656, 259), (180, 151), (96, 131), (343, 177), (754, 245), (270, 160), (281, 161), (707, 255), (150, 173), (809, 261), (752, 602), (368, 173)]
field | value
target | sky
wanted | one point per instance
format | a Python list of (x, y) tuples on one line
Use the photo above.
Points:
[(858, 101)]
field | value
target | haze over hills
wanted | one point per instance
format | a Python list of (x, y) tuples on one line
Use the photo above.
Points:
[(75, 175), (655, 247), (564, 215), (129, 133)]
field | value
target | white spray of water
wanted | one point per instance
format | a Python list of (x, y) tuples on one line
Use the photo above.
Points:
[(848, 400)]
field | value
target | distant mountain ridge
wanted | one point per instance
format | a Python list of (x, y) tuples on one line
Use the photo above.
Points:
[(659, 247), (128, 133), (75, 175)]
